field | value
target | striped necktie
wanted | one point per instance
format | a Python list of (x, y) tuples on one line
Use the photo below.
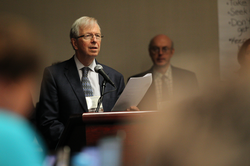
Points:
[(86, 83)]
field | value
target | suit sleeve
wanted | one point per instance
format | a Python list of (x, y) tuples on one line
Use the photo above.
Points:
[(48, 110)]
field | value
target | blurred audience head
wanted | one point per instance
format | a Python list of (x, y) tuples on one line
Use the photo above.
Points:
[(211, 129), (19, 63), (244, 58)]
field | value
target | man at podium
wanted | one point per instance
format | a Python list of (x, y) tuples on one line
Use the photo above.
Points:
[(73, 86)]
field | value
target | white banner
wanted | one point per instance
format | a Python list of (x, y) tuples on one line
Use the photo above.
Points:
[(234, 29)]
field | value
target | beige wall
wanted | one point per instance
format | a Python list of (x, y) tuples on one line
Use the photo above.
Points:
[(128, 25)]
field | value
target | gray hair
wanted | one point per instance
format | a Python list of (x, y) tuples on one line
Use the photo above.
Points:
[(83, 22)]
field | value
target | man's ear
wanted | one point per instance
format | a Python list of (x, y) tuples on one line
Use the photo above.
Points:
[(172, 52), (74, 43), (150, 52)]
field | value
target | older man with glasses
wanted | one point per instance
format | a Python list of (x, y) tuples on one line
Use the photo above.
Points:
[(72, 86), (169, 82)]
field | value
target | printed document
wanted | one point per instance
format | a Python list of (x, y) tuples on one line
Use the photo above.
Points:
[(133, 92)]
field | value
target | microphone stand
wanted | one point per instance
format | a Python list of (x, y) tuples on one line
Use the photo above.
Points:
[(101, 97)]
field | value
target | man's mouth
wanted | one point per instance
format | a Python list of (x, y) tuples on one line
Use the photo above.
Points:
[(93, 48), (160, 59)]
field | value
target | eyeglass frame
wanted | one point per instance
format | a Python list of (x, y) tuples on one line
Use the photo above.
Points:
[(158, 49), (92, 36)]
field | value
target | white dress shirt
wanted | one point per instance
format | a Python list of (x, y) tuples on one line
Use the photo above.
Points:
[(158, 84), (92, 75)]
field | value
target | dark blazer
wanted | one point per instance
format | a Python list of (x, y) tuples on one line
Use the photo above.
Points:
[(62, 95), (184, 82)]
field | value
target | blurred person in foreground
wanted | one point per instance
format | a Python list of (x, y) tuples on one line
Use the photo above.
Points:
[(169, 82), (212, 129), (244, 60), (19, 61)]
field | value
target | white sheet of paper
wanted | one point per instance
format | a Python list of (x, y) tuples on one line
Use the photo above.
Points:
[(133, 92)]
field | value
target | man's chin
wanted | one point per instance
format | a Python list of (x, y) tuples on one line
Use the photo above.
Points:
[(161, 64), (93, 54)]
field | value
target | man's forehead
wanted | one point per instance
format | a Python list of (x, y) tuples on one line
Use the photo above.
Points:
[(161, 41)]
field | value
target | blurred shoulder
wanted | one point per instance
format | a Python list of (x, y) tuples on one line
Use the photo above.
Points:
[(177, 70), (14, 124)]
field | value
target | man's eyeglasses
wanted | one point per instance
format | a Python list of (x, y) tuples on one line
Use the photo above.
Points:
[(91, 36), (163, 49)]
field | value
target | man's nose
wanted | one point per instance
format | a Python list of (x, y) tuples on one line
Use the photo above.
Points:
[(93, 39), (160, 51)]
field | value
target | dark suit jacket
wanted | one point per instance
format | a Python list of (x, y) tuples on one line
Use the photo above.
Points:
[(62, 95), (184, 83)]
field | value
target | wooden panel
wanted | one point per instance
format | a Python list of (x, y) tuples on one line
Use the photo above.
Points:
[(88, 128), (130, 124)]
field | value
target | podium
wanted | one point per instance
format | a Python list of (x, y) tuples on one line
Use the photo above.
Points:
[(87, 129)]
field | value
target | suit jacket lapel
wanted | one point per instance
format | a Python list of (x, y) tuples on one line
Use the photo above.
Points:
[(72, 76), (176, 81), (101, 79)]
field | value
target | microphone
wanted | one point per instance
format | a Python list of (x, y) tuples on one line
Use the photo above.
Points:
[(99, 69)]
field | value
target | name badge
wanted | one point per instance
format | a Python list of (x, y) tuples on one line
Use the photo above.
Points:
[(92, 103)]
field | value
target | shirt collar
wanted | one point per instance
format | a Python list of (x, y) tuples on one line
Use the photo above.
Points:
[(168, 73), (79, 65)]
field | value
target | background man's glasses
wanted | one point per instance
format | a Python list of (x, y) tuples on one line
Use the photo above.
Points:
[(164, 50), (91, 36)]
